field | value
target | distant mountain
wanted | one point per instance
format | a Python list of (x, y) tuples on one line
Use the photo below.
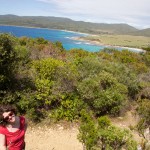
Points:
[(68, 24), (144, 32)]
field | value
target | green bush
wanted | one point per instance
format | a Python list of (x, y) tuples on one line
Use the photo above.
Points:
[(144, 113), (147, 58), (27, 104), (45, 68), (7, 60), (88, 134), (102, 135), (103, 93), (59, 45), (69, 109)]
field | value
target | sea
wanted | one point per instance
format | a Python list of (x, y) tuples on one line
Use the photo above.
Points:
[(66, 37)]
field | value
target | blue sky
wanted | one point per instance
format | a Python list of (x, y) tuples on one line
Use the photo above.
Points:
[(133, 12)]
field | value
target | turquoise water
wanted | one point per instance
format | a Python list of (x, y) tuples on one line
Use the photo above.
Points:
[(52, 35)]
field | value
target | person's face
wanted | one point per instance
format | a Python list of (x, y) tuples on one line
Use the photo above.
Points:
[(9, 117)]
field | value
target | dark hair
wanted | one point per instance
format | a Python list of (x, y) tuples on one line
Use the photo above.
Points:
[(6, 108)]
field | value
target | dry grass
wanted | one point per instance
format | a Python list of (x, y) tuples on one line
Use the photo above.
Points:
[(121, 40)]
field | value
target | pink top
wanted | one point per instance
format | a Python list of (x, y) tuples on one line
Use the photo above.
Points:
[(15, 140)]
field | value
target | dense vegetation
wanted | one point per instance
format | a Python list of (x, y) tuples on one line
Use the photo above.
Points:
[(43, 80)]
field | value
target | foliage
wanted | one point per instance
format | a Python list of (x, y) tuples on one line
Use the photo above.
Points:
[(131, 59), (103, 92), (44, 73), (28, 104), (113, 138), (103, 135), (144, 112), (69, 109), (127, 71), (7, 60), (45, 68), (147, 48), (45, 81), (87, 132), (59, 45), (41, 40), (89, 66), (147, 55)]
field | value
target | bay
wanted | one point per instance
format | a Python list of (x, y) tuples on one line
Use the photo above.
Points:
[(66, 37)]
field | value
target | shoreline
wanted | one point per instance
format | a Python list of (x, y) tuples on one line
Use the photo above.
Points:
[(45, 28), (107, 45), (82, 38)]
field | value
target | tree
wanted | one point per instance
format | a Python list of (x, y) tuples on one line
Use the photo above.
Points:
[(7, 60)]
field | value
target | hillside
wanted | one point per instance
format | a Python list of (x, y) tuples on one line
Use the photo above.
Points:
[(47, 83), (66, 24), (144, 32)]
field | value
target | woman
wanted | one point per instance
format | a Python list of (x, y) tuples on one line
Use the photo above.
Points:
[(12, 129)]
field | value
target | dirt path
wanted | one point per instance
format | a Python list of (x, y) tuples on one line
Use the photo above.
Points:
[(47, 138), (62, 137), (129, 120)]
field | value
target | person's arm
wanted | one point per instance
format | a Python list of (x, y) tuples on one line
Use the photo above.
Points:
[(2, 142), (26, 124)]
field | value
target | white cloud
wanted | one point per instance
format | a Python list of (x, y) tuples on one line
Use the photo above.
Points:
[(123, 11)]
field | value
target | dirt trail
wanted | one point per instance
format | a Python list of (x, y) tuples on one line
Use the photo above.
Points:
[(62, 137), (130, 119), (47, 138)]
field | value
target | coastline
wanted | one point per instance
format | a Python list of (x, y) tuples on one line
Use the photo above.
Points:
[(98, 43), (46, 28)]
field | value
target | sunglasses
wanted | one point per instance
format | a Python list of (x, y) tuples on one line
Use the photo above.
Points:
[(9, 115)]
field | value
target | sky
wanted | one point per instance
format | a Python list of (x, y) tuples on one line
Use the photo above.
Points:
[(132, 12)]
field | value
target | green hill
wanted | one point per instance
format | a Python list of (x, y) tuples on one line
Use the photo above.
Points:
[(144, 32), (71, 25), (66, 24)]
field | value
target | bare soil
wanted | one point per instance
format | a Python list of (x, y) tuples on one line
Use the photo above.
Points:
[(64, 136), (52, 138), (128, 121)]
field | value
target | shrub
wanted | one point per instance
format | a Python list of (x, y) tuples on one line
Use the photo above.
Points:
[(102, 135), (103, 93), (69, 109), (7, 60), (144, 113), (59, 45), (88, 134), (45, 68)]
